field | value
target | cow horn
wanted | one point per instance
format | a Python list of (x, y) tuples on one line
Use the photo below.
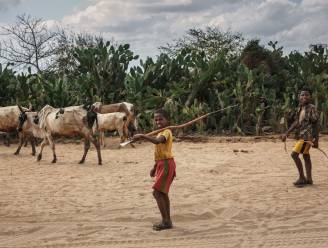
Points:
[(30, 106), (20, 109)]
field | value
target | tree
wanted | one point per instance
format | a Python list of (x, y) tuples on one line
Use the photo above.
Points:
[(254, 55), (103, 67), (211, 41), (8, 82), (29, 43)]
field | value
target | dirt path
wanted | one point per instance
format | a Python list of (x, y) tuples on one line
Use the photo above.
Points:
[(225, 195)]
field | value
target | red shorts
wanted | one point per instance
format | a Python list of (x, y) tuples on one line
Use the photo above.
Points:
[(165, 173)]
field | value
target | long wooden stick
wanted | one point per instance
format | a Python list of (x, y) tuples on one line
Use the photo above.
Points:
[(189, 122), (322, 151), (182, 125)]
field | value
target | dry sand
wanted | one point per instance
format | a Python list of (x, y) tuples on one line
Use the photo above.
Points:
[(220, 198)]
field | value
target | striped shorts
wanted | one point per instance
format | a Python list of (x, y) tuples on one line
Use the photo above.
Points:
[(165, 173)]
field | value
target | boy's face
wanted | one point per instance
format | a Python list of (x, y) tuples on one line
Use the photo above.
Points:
[(304, 97), (160, 121)]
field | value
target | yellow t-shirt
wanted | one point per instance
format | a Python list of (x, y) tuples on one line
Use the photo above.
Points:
[(164, 150)]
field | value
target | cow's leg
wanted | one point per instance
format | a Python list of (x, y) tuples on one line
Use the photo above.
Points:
[(101, 141), (102, 138), (43, 144), (95, 142), (33, 141), (21, 141), (121, 134), (52, 146), (86, 149), (126, 130), (127, 134), (7, 139)]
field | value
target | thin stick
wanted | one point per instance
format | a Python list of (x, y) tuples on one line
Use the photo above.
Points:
[(182, 125), (189, 122), (322, 151), (312, 145)]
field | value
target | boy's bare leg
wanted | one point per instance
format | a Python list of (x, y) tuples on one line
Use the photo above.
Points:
[(163, 205), (167, 203), (308, 168), (160, 203), (299, 166)]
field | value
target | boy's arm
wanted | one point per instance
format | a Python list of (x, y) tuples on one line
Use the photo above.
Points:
[(315, 127), (292, 127), (154, 140), (315, 134), (153, 170), (314, 115)]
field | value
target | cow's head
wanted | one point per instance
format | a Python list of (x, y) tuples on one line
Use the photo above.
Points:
[(36, 119), (91, 117), (97, 107), (21, 120), (31, 107), (20, 108), (60, 111), (133, 126)]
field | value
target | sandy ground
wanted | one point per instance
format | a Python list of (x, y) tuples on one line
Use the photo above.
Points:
[(235, 193)]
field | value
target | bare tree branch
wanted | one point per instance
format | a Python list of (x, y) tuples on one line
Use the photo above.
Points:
[(28, 42)]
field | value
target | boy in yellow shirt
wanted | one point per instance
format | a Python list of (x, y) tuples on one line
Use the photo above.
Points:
[(164, 168)]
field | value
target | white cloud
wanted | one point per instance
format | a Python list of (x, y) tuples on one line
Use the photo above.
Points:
[(149, 24), (105, 13)]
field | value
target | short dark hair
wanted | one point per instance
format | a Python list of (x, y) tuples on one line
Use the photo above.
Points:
[(305, 88), (162, 112)]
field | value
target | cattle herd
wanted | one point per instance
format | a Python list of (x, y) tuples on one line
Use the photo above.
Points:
[(90, 122)]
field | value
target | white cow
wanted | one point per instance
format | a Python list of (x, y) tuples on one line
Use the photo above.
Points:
[(124, 107), (68, 121), (27, 124), (111, 122), (9, 122)]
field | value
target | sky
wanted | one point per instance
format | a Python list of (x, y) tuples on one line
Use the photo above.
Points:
[(149, 24)]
